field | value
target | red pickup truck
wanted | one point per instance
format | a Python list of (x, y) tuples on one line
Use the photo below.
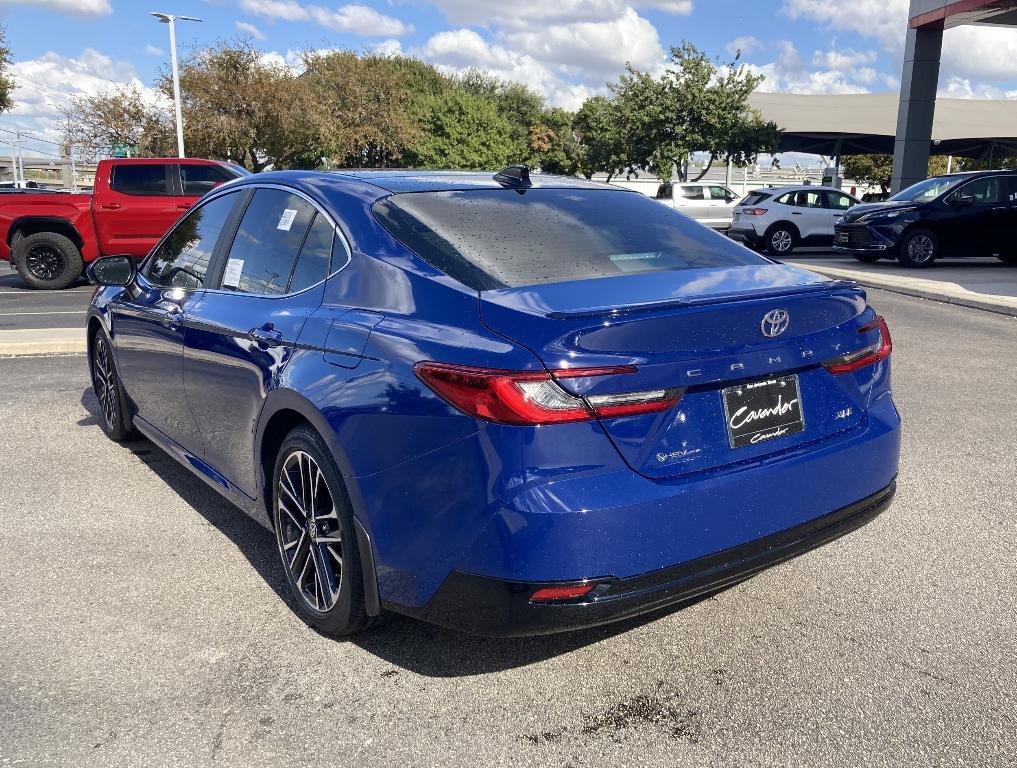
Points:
[(49, 238)]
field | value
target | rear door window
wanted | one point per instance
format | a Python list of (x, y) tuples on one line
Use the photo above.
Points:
[(145, 180), (693, 193), (196, 180), (488, 239), (313, 262), (265, 248)]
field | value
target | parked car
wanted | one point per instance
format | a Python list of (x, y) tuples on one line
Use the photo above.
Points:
[(508, 404), (708, 203), (779, 220), (962, 214), (49, 237)]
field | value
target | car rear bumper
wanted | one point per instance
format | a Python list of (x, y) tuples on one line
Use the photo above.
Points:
[(496, 607), (745, 235)]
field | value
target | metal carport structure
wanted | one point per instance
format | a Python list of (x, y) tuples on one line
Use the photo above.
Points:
[(866, 123)]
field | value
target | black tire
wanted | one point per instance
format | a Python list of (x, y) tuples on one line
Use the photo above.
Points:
[(114, 417), (919, 249), (48, 261), (868, 258), (311, 551), (780, 240), (1007, 258)]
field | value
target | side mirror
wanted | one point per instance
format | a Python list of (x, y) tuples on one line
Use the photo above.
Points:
[(112, 270), (960, 201)]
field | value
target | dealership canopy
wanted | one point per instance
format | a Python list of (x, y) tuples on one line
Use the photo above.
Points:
[(867, 123)]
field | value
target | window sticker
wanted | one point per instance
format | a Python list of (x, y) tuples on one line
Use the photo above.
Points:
[(231, 279), (286, 220)]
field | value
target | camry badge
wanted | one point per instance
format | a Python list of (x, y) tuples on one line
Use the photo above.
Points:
[(775, 322)]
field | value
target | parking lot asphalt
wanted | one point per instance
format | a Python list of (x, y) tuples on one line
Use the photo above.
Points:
[(144, 621), (24, 308)]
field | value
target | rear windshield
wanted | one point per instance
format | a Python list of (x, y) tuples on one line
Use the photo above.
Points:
[(754, 198), (505, 238)]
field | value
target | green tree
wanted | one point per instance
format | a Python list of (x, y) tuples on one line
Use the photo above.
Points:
[(695, 106), (602, 145), (463, 130), (554, 145), (6, 80), (877, 170), (520, 105), (94, 125), (369, 109), (238, 106)]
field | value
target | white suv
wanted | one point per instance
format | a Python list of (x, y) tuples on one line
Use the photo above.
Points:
[(778, 220), (709, 204)]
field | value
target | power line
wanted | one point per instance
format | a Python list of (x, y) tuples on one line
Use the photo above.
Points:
[(46, 85), (55, 95)]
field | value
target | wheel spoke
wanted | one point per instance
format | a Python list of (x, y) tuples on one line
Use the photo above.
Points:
[(305, 503)]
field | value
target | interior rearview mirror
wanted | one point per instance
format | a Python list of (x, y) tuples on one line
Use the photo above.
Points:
[(112, 270)]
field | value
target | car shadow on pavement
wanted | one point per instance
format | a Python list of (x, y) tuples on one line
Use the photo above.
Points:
[(416, 646)]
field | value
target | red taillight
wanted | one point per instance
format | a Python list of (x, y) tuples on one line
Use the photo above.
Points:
[(753, 211), (562, 593), (867, 356), (534, 397)]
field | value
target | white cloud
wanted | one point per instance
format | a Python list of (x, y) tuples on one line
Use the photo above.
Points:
[(456, 50), (883, 20), (597, 50), (153, 50), (390, 47), (746, 44), (980, 52), (358, 19), (250, 29), (529, 14), (354, 18), (844, 60), (288, 10), (47, 84), (789, 73), (74, 7)]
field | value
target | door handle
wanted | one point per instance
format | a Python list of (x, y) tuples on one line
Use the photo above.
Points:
[(111, 206), (183, 206), (266, 336), (796, 213), (172, 315)]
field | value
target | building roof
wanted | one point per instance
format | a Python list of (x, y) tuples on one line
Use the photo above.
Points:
[(867, 123)]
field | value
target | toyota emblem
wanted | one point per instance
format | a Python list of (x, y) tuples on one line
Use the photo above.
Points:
[(775, 322)]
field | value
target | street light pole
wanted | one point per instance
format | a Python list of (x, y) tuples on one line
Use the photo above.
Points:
[(169, 18)]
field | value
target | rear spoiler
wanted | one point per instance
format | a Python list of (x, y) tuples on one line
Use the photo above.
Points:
[(829, 286)]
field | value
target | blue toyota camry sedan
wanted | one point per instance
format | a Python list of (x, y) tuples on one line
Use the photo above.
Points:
[(504, 403)]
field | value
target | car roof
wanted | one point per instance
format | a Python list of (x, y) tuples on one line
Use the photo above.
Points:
[(371, 185), (408, 180), (797, 188)]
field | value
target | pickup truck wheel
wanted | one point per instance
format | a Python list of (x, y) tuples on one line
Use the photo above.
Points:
[(48, 261)]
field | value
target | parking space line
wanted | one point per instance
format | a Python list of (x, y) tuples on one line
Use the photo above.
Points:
[(60, 312)]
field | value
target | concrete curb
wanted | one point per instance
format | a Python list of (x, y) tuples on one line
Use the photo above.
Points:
[(922, 288), (42, 341)]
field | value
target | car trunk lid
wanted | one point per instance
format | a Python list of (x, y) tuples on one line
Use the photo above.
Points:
[(701, 330)]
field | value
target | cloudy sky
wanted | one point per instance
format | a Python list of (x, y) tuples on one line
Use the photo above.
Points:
[(566, 49)]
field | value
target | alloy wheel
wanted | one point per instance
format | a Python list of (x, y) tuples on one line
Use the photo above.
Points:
[(310, 537), (45, 262), (781, 241), (104, 381), (921, 249)]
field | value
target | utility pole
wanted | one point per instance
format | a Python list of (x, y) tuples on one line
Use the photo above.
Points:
[(169, 18)]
